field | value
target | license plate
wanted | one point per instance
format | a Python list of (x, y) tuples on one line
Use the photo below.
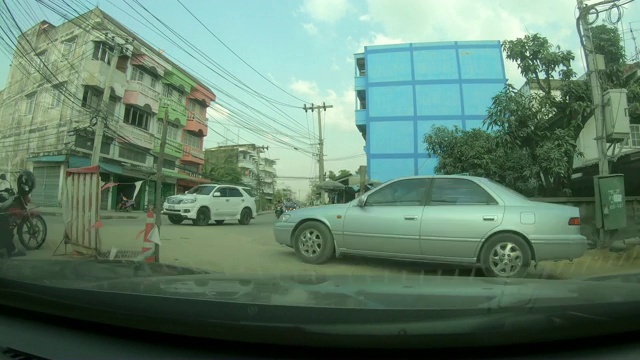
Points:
[(171, 207)]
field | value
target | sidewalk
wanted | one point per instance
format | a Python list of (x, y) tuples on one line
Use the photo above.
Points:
[(107, 214)]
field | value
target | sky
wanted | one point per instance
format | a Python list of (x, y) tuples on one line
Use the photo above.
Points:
[(270, 57)]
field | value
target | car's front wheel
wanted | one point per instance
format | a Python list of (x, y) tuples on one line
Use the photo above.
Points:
[(505, 255), (176, 220), (202, 217), (313, 243)]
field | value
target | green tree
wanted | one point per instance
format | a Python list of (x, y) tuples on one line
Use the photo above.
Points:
[(222, 166), (343, 173), (331, 175)]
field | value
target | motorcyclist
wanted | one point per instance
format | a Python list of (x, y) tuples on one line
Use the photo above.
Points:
[(122, 201), (6, 235)]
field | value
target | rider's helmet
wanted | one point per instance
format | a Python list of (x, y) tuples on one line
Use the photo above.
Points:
[(26, 182)]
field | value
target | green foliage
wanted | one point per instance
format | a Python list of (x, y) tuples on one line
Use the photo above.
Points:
[(342, 173), (222, 166), (478, 153)]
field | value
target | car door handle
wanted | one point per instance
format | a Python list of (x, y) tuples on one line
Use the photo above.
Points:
[(409, 217), (489, 218)]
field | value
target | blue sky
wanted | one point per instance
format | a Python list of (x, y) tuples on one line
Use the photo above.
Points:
[(307, 47)]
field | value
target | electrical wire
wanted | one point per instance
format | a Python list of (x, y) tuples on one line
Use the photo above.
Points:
[(238, 56)]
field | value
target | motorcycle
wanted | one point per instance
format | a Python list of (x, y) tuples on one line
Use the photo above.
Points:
[(27, 223), (126, 205), (279, 211)]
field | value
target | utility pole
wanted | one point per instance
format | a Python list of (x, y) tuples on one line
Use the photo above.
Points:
[(596, 91), (159, 178), (259, 179), (97, 141), (321, 177)]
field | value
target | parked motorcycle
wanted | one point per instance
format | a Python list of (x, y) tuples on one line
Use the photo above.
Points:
[(27, 223)]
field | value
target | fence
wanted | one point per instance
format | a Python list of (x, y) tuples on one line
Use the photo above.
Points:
[(588, 217)]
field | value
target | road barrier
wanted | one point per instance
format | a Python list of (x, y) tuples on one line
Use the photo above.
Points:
[(147, 244)]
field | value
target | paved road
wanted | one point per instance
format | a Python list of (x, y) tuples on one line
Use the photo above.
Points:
[(234, 248)]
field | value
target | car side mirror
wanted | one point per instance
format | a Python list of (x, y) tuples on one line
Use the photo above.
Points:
[(217, 194), (362, 200)]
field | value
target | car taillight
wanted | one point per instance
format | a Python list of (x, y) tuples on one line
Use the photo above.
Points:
[(574, 221)]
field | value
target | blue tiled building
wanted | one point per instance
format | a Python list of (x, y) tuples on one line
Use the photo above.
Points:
[(403, 90)]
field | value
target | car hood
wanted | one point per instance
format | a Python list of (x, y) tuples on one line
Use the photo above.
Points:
[(400, 291)]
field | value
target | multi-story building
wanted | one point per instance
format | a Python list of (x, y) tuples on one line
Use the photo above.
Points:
[(403, 90), (258, 171), (54, 99)]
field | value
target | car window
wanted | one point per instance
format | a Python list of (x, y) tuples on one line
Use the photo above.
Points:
[(409, 192), (234, 192), (223, 191), (249, 192), (459, 192), (201, 190)]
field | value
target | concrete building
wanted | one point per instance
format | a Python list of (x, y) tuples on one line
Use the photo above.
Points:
[(258, 171), (403, 90), (54, 98)]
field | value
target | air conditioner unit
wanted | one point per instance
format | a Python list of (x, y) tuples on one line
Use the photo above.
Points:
[(616, 115)]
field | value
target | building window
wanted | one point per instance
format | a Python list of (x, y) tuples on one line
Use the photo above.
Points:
[(136, 117), (154, 83), (86, 142), (361, 103), (167, 91), (167, 164), (40, 60), (112, 107), (172, 131), (102, 52), (190, 168), (91, 98), (57, 93), (30, 104), (132, 155), (67, 49), (191, 140), (192, 106), (137, 75)]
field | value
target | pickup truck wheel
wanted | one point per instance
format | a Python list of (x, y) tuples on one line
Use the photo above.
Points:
[(176, 220), (202, 217)]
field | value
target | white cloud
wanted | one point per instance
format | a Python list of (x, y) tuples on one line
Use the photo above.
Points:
[(304, 87), (310, 29), (326, 10), (342, 114), (364, 17), (464, 20), (378, 39)]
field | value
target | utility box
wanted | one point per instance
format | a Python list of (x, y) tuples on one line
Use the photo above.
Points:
[(616, 115), (610, 209)]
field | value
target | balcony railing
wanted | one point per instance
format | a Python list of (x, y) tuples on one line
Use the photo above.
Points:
[(144, 89), (136, 136), (177, 110), (195, 152), (193, 116)]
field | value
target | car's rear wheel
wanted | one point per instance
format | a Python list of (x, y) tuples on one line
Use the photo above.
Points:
[(245, 216), (202, 217), (313, 243), (177, 220), (219, 222), (505, 255)]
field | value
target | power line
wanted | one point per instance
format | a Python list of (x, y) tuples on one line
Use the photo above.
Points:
[(238, 56)]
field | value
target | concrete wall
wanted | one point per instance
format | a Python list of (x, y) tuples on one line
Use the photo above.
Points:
[(412, 87), (587, 215)]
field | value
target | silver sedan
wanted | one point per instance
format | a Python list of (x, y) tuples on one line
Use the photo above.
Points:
[(440, 219)]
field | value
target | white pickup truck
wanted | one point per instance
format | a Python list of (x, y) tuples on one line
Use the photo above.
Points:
[(211, 202)]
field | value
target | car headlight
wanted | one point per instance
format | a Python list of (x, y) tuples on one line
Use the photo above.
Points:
[(188, 201), (285, 217)]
